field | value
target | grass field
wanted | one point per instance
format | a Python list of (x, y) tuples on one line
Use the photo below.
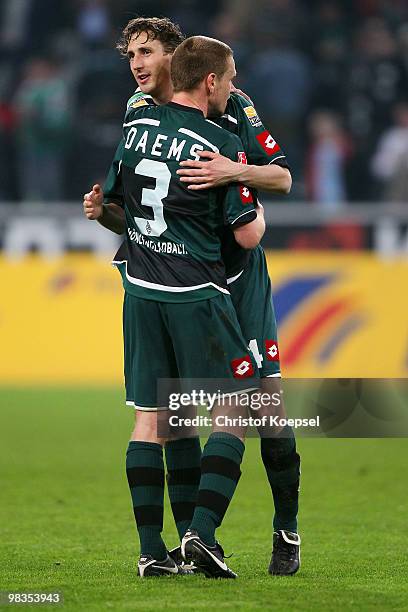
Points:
[(67, 525)]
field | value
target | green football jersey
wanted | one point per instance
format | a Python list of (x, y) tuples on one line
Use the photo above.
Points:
[(172, 250), (259, 146), (261, 149), (112, 188)]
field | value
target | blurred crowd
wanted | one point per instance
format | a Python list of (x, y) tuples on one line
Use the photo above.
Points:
[(329, 78)]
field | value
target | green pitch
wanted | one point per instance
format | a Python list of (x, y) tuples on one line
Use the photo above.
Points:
[(67, 525)]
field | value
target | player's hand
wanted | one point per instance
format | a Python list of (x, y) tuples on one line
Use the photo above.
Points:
[(213, 170), (93, 203), (241, 93)]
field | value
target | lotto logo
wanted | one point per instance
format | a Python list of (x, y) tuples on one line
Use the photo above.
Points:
[(272, 350), (245, 194), (242, 158), (269, 145), (242, 368)]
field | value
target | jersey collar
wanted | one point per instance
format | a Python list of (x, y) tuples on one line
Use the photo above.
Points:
[(189, 109)]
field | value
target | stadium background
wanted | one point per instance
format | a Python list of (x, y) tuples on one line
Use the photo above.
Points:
[(330, 80)]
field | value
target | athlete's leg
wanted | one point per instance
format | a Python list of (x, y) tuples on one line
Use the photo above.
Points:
[(279, 456), (252, 297), (183, 461), (220, 472), (218, 352), (148, 355), (145, 474)]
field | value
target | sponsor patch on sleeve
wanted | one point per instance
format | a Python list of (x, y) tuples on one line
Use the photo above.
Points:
[(242, 368), (245, 195), (252, 116), (269, 145), (272, 350)]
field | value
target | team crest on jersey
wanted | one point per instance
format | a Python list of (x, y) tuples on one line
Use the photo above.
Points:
[(252, 116), (271, 350), (244, 192), (269, 145), (242, 158), (242, 368)]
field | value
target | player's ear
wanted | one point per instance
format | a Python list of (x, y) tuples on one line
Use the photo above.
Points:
[(210, 82)]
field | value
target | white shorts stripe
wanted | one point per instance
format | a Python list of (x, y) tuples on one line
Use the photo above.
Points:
[(145, 408)]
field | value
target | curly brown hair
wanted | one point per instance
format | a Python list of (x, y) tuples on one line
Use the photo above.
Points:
[(160, 28)]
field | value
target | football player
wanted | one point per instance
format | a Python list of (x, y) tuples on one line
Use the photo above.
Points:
[(149, 44)]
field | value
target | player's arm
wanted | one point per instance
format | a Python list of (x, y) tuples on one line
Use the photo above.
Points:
[(267, 178), (249, 235), (267, 167), (215, 170), (242, 211), (106, 206), (110, 215)]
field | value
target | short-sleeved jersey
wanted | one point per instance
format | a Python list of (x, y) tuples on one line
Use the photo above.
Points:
[(240, 118), (260, 148), (173, 243), (112, 189)]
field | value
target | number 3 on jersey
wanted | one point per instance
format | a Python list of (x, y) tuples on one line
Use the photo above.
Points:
[(153, 197)]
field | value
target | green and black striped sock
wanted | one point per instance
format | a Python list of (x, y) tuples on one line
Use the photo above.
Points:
[(220, 472), (145, 474), (183, 459), (282, 465)]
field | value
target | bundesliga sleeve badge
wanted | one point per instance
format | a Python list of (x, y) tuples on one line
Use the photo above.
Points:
[(140, 103), (252, 116)]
